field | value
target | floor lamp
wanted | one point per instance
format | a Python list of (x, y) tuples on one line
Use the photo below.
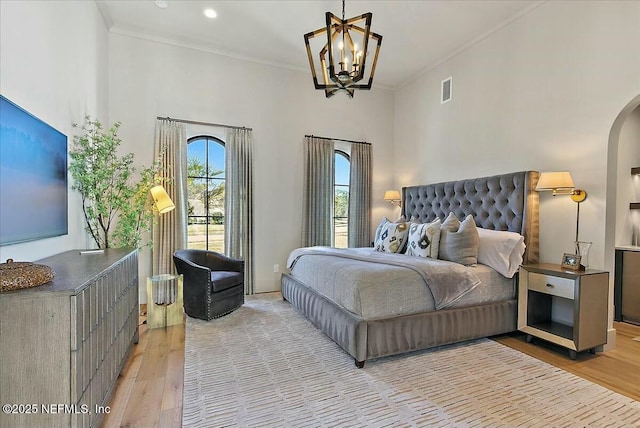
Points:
[(167, 308)]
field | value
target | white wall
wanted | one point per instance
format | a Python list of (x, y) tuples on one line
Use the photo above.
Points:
[(149, 79), (542, 94), (53, 63)]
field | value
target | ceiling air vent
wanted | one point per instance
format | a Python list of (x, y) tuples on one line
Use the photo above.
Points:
[(445, 91)]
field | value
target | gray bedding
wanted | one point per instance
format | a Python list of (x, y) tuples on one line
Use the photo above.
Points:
[(379, 285), (369, 328)]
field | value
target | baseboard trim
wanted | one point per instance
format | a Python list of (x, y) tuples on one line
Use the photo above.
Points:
[(611, 340)]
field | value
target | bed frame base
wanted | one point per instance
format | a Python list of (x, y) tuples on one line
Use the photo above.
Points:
[(368, 339)]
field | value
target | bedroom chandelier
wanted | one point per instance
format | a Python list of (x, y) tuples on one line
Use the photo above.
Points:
[(346, 46)]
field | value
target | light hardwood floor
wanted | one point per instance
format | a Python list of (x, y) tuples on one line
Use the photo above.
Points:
[(149, 389), (617, 369)]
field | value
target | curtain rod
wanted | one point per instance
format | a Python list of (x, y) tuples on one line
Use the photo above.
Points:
[(340, 139), (193, 122)]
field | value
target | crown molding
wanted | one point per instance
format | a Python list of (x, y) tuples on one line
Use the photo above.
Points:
[(203, 47)]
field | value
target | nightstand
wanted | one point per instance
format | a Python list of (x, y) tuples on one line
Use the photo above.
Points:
[(564, 307)]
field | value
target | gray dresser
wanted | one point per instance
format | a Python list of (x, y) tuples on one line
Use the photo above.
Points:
[(63, 344)]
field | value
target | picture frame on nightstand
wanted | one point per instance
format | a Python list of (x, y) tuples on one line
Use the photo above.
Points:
[(571, 261)]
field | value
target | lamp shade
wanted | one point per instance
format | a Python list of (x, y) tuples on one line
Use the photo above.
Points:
[(161, 199), (555, 181), (391, 195)]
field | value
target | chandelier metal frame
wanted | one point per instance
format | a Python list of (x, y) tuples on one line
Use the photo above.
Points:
[(346, 78)]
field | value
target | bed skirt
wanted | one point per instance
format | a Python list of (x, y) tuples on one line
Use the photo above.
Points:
[(368, 339)]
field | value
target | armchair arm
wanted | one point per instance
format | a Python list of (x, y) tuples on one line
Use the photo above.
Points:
[(197, 288), (216, 261)]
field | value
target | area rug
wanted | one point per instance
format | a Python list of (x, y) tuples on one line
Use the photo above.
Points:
[(265, 365)]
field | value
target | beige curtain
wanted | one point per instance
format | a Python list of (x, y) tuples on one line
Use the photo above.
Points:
[(360, 196), (318, 191), (238, 219), (170, 230)]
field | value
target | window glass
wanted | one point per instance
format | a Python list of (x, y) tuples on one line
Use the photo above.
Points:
[(341, 199), (205, 190)]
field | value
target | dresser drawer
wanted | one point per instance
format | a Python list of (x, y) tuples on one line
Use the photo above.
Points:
[(553, 285)]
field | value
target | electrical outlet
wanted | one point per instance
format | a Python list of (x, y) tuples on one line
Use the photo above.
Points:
[(276, 268)]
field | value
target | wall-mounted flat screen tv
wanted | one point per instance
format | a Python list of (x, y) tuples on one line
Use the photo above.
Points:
[(33, 177)]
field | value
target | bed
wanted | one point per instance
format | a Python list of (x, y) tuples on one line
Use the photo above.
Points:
[(395, 313)]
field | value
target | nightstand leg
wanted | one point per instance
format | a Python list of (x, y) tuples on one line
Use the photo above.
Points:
[(529, 338), (572, 354)]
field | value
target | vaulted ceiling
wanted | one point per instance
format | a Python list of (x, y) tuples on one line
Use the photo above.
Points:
[(417, 35)]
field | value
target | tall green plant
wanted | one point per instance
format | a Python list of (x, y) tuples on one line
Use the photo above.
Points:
[(115, 201)]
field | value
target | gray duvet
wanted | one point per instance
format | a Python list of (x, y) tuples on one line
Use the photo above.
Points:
[(379, 285)]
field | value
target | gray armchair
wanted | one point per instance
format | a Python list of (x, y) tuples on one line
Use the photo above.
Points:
[(213, 283)]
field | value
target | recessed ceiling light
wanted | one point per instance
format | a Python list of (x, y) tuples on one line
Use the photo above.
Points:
[(162, 4), (210, 13)]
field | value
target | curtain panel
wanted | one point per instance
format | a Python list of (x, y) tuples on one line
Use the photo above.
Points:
[(238, 219), (169, 231), (318, 192), (359, 227)]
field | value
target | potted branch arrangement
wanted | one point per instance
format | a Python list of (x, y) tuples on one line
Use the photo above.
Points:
[(115, 200)]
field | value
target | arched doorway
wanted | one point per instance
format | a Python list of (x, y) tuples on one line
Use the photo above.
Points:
[(621, 146)]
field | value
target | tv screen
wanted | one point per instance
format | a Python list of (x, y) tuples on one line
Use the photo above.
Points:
[(33, 177)]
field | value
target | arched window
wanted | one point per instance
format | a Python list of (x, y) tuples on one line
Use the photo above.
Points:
[(205, 190), (341, 199)]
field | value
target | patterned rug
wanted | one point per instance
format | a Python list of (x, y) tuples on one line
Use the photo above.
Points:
[(265, 365)]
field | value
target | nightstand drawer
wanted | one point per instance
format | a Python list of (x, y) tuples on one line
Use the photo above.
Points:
[(553, 285)]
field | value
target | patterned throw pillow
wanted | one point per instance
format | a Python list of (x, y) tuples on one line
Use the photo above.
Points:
[(380, 228), (459, 240), (424, 239), (393, 237)]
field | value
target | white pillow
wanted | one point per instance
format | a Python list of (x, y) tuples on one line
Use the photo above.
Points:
[(501, 250), (424, 239), (392, 237)]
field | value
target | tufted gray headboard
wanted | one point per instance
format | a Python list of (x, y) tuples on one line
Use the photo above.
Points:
[(500, 202)]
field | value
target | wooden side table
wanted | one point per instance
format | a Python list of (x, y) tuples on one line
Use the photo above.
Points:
[(164, 300), (545, 290)]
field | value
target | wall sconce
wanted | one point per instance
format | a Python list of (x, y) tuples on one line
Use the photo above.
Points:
[(161, 199), (393, 196), (561, 183)]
